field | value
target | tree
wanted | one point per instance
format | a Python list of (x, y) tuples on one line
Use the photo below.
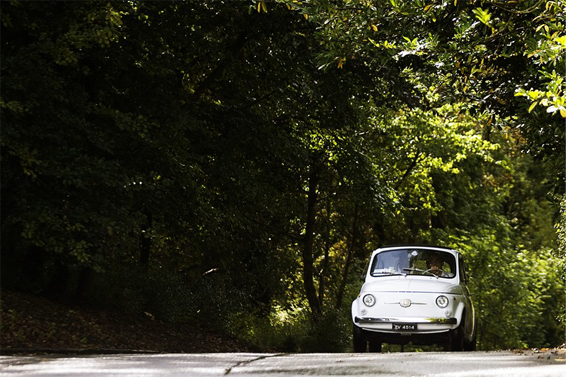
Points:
[(253, 153)]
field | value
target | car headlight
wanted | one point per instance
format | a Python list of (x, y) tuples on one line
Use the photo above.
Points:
[(442, 301), (369, 300)]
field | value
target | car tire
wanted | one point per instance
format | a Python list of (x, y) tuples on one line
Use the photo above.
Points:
[(456, 338), (360, 340), (471, 345), (375, 346)]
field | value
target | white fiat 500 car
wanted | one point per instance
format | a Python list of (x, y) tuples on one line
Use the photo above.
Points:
[(414, 294)]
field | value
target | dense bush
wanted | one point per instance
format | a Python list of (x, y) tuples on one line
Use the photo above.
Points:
[(210, 301)]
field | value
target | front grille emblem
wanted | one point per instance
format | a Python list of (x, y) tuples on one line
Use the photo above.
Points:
[(405, 303)]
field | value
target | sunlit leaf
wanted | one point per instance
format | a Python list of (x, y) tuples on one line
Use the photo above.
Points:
[(483, 16)]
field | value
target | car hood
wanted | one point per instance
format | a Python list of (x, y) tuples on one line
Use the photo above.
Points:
[(403, 284)]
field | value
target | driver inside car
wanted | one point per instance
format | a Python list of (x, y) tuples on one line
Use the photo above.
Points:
[(435, 264)]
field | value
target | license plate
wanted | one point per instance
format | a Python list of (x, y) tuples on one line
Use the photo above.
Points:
[(404, 326)]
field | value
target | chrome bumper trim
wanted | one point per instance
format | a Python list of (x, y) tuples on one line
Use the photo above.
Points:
[(442, 321)]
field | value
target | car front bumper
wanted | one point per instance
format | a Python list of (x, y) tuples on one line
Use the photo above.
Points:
[(371, 320)]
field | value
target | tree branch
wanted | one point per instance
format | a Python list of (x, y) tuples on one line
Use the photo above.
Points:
[(414, 163)]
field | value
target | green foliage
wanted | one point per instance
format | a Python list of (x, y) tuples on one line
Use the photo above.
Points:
[(135, 290), (296, 331), (232, 164), (210, 300), (511, 283), (561, 230)]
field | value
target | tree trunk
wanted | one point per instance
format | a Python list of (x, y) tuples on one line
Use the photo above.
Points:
[(308, 264), (327, 245), (349, 258)]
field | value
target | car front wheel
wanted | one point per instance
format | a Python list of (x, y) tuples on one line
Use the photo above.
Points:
[(360, 340), (456, 339)]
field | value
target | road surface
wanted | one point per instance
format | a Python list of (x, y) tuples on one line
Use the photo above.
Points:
[(501, 363)]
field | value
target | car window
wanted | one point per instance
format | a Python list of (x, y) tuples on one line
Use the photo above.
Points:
[(414, 261)]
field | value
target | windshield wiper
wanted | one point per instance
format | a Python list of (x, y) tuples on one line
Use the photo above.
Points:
[(413, 269), (422, 272)]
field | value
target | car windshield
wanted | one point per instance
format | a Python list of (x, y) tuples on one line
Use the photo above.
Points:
[(414, 261)]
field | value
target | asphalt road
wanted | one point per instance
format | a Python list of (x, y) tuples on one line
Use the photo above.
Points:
[(499, 363)]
